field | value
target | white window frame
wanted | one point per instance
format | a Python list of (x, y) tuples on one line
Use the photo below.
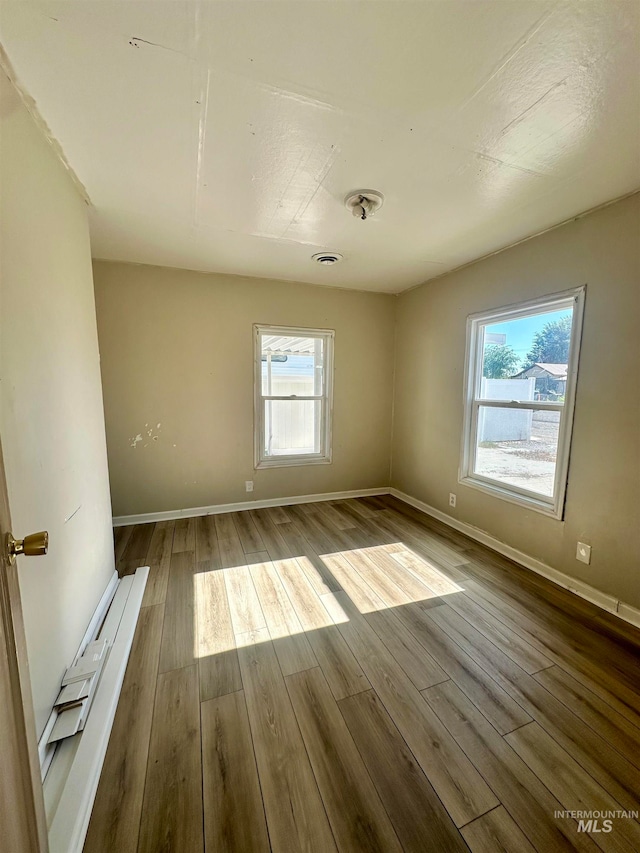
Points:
[(476, 323), (326, 398)]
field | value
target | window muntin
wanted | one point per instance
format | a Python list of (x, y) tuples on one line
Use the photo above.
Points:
[(293, 400), (519, 412)]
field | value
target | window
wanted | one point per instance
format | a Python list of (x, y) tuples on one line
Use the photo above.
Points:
[(293, 396), (522, 364)]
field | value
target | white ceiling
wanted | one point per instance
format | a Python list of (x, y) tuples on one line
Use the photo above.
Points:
[(224, 136)]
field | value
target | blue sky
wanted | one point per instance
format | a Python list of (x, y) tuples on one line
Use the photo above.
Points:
[(520, 333)]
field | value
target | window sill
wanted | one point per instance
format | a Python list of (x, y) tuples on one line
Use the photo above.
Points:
[(503, 492), (292, 461)]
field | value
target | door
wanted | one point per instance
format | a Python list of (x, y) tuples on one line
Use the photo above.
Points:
[(22, 815)]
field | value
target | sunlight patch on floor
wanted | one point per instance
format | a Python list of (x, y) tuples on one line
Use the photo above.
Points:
[(427, 572), (335, 611), (248, 604)]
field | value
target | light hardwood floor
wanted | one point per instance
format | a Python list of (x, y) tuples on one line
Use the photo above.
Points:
[(354, 676)]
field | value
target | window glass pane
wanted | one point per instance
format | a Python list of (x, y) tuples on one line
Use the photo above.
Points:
[(527, 358), (518, 447), (292, 427), (292, 365)]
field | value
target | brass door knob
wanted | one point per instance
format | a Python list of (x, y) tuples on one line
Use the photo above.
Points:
[(34, 545)]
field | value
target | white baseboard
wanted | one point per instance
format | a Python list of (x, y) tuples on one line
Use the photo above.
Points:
[(216, 509), (629, 613), (590, 593)]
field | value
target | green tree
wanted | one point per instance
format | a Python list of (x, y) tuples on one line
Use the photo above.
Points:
[(551, 343), (500, 361)]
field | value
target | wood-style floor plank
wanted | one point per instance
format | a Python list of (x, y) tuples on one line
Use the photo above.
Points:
[(614, 772), (184, 536), (495, 832), (250, 538), (553, 646), (571, 618), (419, 818), (231, 551), (158, 559), (406, 528), (244, 605), (513, 645), (377, 578), (526, 798), (415, 541), (234, 820), (573, 786), (375, 502), (225, 528), (387, 564), (295, 814), (571, 612), (315, 568), (352, 582), (291, 645), (443, 696), (218, 666), (115, 820), (418, 664), (602, 718), (369, 534), (340, 667), (138, 544), (424, 525), (179, 634), (207, 549), (494, 702), (334, 516), (356, 815), (348, 512), (427, 571), (270, 535), (172, 813), (459, 785), (361, 508), (279, 514), (121, 536)]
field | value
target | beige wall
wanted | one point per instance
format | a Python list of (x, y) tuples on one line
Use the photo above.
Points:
[(177, 350), (603, 496), (51, 418)]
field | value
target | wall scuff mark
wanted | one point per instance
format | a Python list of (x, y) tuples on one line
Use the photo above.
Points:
[(148, 433), (69, 517)]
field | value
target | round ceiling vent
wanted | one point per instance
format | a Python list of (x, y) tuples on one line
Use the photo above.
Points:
[(364, 203), (327, 258)]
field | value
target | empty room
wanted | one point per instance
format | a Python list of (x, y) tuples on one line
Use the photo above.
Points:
[(320, 426)]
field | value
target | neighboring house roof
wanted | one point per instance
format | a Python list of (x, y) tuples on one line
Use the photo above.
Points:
[(555, 371), (559, 371)]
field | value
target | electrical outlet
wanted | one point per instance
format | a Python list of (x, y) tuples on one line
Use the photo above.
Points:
[(248, 484), (583, 553), (452, 499)]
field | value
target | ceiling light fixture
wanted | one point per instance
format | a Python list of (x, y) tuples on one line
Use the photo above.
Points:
[(364, 203), (327, 258)]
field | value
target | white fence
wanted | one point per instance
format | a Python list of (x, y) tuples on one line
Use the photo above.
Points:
[(290, 425), (505, 424)]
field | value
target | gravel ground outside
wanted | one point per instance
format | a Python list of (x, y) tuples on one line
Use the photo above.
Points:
[(528, 464)]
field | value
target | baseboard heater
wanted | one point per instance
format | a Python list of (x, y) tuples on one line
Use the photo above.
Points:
[(71, 766)]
